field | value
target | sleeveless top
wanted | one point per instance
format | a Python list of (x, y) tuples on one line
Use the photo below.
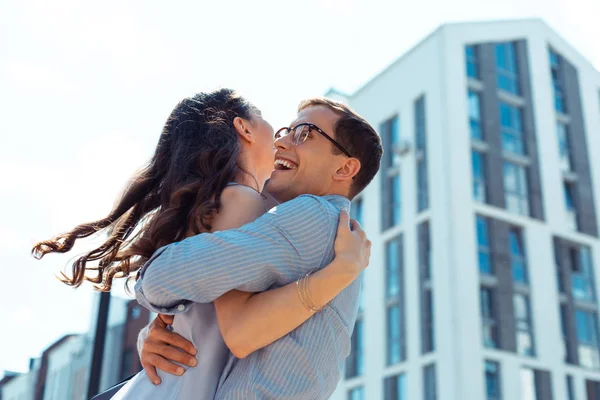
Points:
[(199, 325)]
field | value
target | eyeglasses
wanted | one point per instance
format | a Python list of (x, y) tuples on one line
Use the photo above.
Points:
[(300, 134)]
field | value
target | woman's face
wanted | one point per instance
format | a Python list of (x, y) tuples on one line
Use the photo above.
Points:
[(264, 149)]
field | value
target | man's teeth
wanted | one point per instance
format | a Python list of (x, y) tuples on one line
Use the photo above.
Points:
[(285, 164)]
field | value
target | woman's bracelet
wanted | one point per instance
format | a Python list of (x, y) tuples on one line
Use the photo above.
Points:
[(304, 294)]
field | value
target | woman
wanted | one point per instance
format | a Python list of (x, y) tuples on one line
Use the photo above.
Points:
[(207, 173)]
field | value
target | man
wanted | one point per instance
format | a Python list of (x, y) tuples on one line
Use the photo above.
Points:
[(327, 156)]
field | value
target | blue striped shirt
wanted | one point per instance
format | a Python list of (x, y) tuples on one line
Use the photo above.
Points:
[(276, 249)]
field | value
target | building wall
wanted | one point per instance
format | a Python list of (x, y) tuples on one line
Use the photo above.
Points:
[(20, 387)]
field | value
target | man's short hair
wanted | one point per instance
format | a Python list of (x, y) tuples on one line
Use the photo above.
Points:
[(355, 135)]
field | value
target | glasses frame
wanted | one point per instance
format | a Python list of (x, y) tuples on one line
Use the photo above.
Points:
[(311, 127)]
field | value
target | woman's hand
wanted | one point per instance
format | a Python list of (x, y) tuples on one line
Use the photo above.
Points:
[(160, 348), (352, 247)]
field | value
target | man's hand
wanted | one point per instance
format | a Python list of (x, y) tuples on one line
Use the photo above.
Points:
[(161, 348)]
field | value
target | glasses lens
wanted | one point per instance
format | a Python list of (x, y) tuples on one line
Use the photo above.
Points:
[(301, 133), (281, 133)]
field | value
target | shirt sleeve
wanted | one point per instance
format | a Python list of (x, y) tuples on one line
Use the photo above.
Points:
[(272, 251)]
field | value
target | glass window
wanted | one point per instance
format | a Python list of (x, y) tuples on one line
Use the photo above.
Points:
[(570, 388), (354, 362), (356, 393), (528, 390), (515, 189), (488, 319), (395, 388), (396, 200), (422, 186), (582, 275), (390, 130), (427, 339), (483, 246), (563, 146), (563, 329), (506, 68), (511, 128), (356, 210), (429, 385), (523, 325), (475, 115), (587, 338), (420, 127), (393, 271), (570, 206), (395, 350), (479, 188), (517, 256), (492, 381), (555, 70), (471, 57)]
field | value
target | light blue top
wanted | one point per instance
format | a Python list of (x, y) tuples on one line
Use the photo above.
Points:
[(276, 249)]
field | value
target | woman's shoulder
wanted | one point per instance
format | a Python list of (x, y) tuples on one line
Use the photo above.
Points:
[(239, 206)]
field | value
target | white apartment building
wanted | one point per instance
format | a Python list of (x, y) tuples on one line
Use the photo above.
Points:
[(485, 257)]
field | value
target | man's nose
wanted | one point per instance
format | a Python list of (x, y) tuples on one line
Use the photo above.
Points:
[(283, 143)]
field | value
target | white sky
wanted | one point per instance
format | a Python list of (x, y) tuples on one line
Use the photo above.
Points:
[(85, 88)]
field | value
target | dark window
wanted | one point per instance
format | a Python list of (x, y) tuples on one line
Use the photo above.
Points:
[(570, 206), (356, 393), (562, 132), (395, 348), (492, 381), (395, 388), (570, 388), (393, 269), (517, 256), (475, 115), (422, 186), (587, 338), (394, 300), (506, 68), (555, 70), (582, 275), (479, 187), (511, 128), (488, 318), (592, 389), (420, 140), (429, 383), (427, 339), (483, 246), (471, 58)]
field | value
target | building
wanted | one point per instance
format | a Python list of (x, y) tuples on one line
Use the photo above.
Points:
[(63, 370), (483, 219)]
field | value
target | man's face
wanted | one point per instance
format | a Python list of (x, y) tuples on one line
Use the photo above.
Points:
[(312, 163)]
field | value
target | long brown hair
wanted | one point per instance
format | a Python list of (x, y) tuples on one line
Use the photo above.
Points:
[(178, 191)]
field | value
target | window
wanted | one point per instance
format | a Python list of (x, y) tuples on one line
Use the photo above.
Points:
[(555, 70), (395, 348), (354, 362), (356, 210), (488, 318), (422, 188), (517, 256), (429, 385), (393, 269), (483, 246), (582, 275), (515, 189), (475, 115), (471, 58), (592, 389), (564, 313), (356, 393), (528, 387), (427, 333), (506, 68), (391, 129), (562, 133), (396, 200), (570, 206), (524, 332), (511, 128), (479, 188), (395, 388), (492, 381), (587, 338), (424, 251), (570, 388), (420, 140)]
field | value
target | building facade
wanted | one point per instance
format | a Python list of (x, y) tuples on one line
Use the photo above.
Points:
[(483, 218)]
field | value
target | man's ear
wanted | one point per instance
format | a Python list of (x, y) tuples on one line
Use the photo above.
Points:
[(348, 170), (243, 127)]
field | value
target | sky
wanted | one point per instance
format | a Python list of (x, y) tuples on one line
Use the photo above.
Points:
[(85, 88)]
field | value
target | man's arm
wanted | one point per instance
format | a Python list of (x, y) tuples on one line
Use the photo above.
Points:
[(273, 250)]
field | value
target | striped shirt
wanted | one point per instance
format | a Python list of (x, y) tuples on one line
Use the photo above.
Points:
[(276, 249)]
